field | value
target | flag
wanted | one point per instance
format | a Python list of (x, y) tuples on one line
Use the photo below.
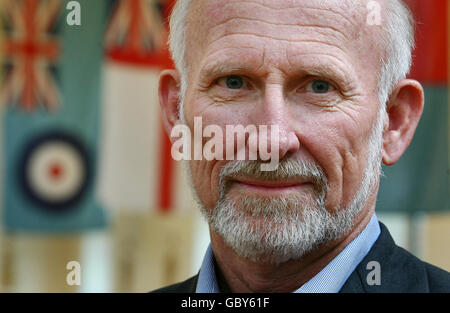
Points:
[(420, 180), (137, 171), (50, 96)]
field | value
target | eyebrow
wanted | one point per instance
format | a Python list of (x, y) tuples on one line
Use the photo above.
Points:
[(328, 71), (223, 67)]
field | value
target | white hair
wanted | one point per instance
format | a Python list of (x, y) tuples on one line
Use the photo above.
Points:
[(177, 46), (397, 39)]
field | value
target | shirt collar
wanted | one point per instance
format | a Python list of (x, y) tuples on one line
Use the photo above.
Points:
[(329, 280)]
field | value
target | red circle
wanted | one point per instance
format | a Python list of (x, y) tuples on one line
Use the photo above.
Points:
[(55, 171)]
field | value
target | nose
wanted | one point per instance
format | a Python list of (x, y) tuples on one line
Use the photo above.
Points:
[(275, 111)]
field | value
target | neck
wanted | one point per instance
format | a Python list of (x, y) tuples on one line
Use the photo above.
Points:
[(236, 274)]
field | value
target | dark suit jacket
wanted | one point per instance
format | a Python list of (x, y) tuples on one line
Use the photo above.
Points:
[(400, 272)]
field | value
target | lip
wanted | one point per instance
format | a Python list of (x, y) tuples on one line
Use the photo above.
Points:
[(266, 186)]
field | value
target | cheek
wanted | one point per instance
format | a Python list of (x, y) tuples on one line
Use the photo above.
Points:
[(205, 174), (339, 145), (213, 113), (205, 178)]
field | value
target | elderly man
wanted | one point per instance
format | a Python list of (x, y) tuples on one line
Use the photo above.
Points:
[(330, 75)]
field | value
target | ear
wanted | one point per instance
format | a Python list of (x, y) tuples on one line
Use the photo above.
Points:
[(169, 98), (404, 110)]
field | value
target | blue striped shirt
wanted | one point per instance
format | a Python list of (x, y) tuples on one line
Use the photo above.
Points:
[(329, 280)]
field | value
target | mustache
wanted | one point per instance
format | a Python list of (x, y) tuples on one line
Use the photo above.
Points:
[(288, 169)]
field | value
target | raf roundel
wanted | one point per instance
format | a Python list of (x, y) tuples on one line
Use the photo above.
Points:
[(55, 171)]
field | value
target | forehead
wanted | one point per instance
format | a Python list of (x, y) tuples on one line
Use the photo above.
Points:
[(298, 25), (338, 16)]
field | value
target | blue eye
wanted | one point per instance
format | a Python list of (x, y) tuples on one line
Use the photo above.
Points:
[(235, 82), (320, 86)]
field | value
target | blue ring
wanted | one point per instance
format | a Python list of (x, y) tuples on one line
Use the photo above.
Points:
[(35, 143)]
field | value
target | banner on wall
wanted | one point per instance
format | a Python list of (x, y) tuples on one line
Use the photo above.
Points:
[(50, 97), (137, 172)]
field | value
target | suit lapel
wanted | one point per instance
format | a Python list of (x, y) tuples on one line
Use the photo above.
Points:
[(381, 252), (353, 284)]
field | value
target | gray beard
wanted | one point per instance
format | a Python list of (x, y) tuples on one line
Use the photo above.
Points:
[(277, 229)]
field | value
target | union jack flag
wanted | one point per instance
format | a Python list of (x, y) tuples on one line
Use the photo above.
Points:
[(29, 52), (136, 32)]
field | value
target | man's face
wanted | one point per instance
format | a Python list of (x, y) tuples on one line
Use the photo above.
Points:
[(309, 67)]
